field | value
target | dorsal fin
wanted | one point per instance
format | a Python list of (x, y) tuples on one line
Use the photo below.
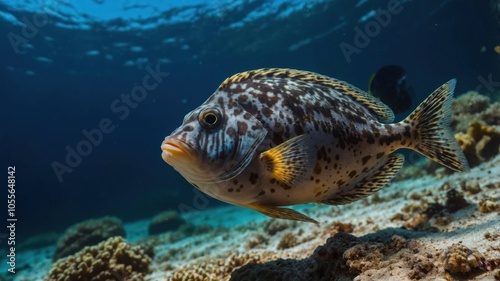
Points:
[(379, 109)]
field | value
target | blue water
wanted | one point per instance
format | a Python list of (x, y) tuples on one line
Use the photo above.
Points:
[(83, 149)]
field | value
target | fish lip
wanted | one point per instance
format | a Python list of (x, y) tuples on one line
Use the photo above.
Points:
[(175, 150)]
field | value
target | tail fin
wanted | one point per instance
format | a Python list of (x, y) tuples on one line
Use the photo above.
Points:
[(431, 125)]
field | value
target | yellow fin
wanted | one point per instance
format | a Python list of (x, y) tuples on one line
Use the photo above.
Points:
[(280, 213), (292, 161)]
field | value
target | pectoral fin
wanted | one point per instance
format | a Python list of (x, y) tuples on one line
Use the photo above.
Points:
[(280, 213), (292, 161)]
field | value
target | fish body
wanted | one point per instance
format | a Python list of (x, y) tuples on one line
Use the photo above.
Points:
[(269, 138)]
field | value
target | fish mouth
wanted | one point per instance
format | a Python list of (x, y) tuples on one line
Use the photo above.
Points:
[(175, 150)]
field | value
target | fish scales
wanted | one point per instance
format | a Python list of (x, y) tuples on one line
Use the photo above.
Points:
[(275, 137)]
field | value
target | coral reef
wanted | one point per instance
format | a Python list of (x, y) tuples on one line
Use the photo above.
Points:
[(214, 268), (469, 107), (112, 259), (256, 240), (460, 259), (288, 240), (481, 143), (166, 221), (87, 233)]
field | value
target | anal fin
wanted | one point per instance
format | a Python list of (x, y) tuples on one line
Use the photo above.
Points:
[(370, 184), (280, 213)]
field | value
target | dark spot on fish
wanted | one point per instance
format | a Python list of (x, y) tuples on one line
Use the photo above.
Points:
[(298, 129), (242, 99), (317, 181), (352, 173), (253, 178), (261, 193), (380, 155), (365, 159), (337, 157), (407, 132), (267, 112), (230, 190), (340, 182), (272, 190), (235, 181), (242, 127), (317, 168)]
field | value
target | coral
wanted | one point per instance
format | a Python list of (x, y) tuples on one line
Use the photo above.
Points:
[(454, 201), (362, 257), (460, 259), (481, 143), (256, 240), (469, 103), (489, 205), (288, 240), (421, 266), (215, 268), (325, 264), (469, 107), (87, 233), (337, 227), (165, 221), (112, 259), (342, 257), (275, 226)]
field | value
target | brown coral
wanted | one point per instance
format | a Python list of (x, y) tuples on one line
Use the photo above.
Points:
[(215, 268), (112, 259), (87, 233), (460, 260), (288, 240), (421, 266), (481, 143), (488, 205)]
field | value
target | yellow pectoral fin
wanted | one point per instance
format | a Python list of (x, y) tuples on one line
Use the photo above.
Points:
[(292, 161), (280, 213)]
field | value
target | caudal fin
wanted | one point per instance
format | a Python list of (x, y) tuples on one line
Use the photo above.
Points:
[(431, 125)]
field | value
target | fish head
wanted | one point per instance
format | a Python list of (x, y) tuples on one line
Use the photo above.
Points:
[(215, 143)]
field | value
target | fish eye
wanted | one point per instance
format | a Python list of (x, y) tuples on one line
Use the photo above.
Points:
[(210, 118)]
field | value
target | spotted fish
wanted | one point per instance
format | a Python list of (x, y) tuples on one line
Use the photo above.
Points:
[(270, 138)]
